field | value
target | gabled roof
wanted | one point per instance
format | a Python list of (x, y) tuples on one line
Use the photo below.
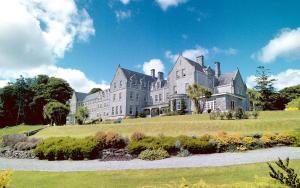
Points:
[(80, 96), (225, 79), (130, 74), (195, 64), (92, 96)]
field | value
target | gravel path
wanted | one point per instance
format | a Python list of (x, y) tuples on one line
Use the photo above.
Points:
[(208, 160)]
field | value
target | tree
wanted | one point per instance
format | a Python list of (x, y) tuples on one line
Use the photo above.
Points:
[(195, 92), (253, 95), (56, 112), (95, 90), (264, 86), (81, 115), (294, 104)]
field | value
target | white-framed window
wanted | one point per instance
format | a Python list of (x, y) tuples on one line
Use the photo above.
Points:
[(137, 97), (178, 104), (130, 109), (120, 96), (114, 97), (232, 105), (177, 74), (121, 110), (113, 111), (183, 73), (156, 98), (160, 97), (117, 110), (115, 85), (131, 95), (121, 84), (174, 89)]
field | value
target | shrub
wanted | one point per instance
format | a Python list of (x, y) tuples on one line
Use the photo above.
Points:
[(285, 139), (297, 137), (228, 115), (136, 136), (255, 114), (142, 115), (222, 115), (268, 140), (239, 113), (114, 140), (227, 142), (197, 145), (100, 138), (61, 148), (213, 116), (5, 178), (153, 154)]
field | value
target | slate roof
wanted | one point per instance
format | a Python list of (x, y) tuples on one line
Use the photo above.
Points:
[(195, 64), (92, 96), (225, 79), (80, 96), (129, 74)]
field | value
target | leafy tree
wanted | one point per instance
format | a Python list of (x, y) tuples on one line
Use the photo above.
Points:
[(264, 86), (95, 90), (81, 115), (294, 103), (8, 107), (195, 92), (253, 95), (56, 112), (290, 93)]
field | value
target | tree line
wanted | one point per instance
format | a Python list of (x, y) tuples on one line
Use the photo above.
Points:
[(265, 97), (38, 100)]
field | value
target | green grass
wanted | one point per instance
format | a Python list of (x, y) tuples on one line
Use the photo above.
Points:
[(19, 129), (137, 178), (269, 121)]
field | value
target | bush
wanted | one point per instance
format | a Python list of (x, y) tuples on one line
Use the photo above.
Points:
[(197, 145), (142, 115), (255, 114), (61, 148), (222, 115), (136, 136), (114, 140), (285, 139), (228, 115), (239, 113), (297, 137), (5, 178), (213, 116), (100, 138), (153, 154)]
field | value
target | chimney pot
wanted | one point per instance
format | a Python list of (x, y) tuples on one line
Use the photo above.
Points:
[(160, 75), (217, 69), (153, 73), (200, 60)]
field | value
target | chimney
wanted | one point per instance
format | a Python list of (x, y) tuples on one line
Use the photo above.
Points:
[(153, 73), (160, 75), (217, 69), (200, 60)]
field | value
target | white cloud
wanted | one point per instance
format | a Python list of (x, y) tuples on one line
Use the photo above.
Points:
[(199, 50), (3, 83), (285, 45), (122, 15), (189, 53), (125, 2), (229, 51), (76, 78), (165, 4), (156, 64), (287, 78), (35, 33)]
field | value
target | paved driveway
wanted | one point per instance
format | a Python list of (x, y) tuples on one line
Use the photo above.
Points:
[(207, 160)]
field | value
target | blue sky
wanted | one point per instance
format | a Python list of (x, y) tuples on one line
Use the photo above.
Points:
[(141, 34)]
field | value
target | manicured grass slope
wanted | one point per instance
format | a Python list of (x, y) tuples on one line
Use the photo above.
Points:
[(270, 121), (138, 178), (19, 129)]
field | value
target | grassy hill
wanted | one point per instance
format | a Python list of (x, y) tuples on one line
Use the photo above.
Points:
[(269, 121)]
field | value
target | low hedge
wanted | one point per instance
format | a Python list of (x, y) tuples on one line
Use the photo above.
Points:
[(154, 154), (63, 148)]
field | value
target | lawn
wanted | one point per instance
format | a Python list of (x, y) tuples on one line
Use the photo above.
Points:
[(19, 129), (138, 178), (269, 121)]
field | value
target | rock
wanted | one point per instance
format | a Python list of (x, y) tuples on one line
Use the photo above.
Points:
[(10, 153), (115, 154)]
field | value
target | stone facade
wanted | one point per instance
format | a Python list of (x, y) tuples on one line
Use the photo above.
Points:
[(131, 92)]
